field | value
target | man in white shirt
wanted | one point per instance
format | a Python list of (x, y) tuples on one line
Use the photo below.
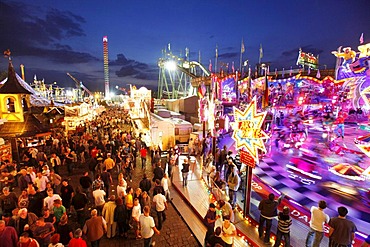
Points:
[(136, 212), (160, 203), (318, 219), (164, 183), (41, 182), (147, 227), (98, 195), (49, 200)]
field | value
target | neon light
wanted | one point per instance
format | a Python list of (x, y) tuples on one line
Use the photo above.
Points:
[(247, 129)]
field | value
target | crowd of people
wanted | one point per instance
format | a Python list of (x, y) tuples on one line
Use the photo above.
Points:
[(40, 207), (38, 200)]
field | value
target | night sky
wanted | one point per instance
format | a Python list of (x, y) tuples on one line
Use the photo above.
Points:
[(52, 38)]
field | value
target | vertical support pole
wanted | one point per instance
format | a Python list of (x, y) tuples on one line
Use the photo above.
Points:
[(248, 190)]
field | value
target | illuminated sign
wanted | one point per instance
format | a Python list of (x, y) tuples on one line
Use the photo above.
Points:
[(308, 59), (247, 129), (247, 159)]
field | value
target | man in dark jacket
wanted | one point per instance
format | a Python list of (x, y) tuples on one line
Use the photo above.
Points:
[(158, 172), (145, 184), (23, 180), (268, 208), (158, 189)]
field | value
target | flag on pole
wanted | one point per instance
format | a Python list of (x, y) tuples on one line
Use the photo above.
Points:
[(255, 72), (242, 48), (186, 52), (202, 91), (362, 38), (318, 75), (210, 66), (261, 53)]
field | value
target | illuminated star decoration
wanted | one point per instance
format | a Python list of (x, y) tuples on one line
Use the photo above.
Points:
[(247, 129)]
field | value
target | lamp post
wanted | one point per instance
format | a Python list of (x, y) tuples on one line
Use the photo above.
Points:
[(265, 98)]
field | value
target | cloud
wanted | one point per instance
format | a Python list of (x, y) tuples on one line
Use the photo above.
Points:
[(132, 68), (289, 57), (31, 31), (305, 48), (229, 55)]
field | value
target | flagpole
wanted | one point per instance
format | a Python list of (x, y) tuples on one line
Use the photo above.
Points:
[(216, 59), (241, 59), (249, 84), (242, 49), (261, 54)]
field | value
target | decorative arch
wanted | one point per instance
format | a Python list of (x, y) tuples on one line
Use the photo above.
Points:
[(24, 104), (10, 104)]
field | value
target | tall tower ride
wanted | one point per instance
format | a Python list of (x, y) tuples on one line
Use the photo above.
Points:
[(106, 66)]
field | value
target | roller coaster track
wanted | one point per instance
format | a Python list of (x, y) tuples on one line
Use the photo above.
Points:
[(186, 67)]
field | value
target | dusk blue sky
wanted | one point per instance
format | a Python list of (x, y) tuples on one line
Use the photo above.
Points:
[(52, 38)]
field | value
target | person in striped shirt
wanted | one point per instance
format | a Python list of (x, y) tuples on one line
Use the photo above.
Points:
[(284, 223)]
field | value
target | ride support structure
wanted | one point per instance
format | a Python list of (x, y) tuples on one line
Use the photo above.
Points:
[(176, 74)]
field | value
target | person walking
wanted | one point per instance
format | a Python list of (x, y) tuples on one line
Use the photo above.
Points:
[(145, 183), (8, 235), (64, 229), (95, 228), (86, 183), (185, 171), (268, 209), (165, 185), (43, 232), (342, 231), (99, 195), (26, 241), (147, 227), (77, 240), (318, 219), (160, 204), (120, 216), (79, 203), (108, 214), (143, 154), (158, 172), (284, 223), (170, 165), (106, 177), (109, 163)]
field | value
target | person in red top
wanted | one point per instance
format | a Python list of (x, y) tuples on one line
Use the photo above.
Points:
[(26, 241), (143, 153), (94, 152), (77, 241), (8, 235), (340, 123)]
